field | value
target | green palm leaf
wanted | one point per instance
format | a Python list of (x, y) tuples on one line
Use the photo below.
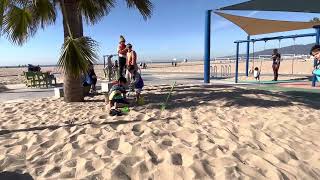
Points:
[(18, 24), (77, 54), (21, 18), (44, 12), (3, 6), (144, 6), (94, 10)]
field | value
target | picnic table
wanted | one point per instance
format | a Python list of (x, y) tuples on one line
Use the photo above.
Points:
[(39, 79)]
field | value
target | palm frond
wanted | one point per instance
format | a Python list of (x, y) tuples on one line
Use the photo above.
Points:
[(77, 54), (94, 10), (18, 24), (144, 6), (3, 6), (44, 12), (22, 18)]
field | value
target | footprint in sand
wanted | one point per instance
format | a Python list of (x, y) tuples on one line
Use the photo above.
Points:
[(71, 163), (167, 142), (88, 166), (68, 174), (113, 144), (154, 158), (176, 159), (39, 170), (119, 145), (103, 117), (126, 168), (138, 130), (186, 136), (47, 144), (53, 171)]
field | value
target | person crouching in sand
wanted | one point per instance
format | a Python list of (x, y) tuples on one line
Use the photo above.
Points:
[(117, 96)]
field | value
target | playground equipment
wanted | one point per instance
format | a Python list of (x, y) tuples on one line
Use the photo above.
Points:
[(273, 38), (225, 71), (110, 68), (254, 26)]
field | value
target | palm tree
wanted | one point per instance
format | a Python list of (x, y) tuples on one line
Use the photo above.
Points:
[(20, 20)]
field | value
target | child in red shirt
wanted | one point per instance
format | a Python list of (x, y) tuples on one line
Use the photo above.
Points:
[(122, 52)]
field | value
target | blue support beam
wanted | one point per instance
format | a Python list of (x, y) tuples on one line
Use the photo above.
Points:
[(207, 38), (314, 78), (237, 63), (248, 56), (277, 38)]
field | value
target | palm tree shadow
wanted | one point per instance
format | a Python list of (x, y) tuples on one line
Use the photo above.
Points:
[(14, 176)]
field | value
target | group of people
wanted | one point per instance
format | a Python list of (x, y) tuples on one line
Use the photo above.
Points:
[(129, 77), (276, 59)]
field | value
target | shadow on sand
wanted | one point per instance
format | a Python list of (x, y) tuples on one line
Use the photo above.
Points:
[(14, 176), (193, 96)]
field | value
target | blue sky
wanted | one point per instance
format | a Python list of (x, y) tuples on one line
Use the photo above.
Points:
[(176, 30)]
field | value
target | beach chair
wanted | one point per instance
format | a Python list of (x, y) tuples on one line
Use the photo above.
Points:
[(31, 80), (40, 79), (49, 79)]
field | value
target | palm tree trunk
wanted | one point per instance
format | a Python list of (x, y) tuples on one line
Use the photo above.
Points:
[(73, 90)]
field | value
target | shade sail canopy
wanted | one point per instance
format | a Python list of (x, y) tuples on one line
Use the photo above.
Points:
[(254, 26), (309, 6)]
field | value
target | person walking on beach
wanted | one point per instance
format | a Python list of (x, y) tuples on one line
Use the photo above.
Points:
[(122, 53), (276, 57), (131, 57)]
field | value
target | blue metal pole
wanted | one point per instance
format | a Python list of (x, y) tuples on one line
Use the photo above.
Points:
[(248, 56), (237, 64), (207, 37), (314, 78)]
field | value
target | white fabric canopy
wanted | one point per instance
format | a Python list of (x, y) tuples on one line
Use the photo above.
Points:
[(254, 26), (309, 6)]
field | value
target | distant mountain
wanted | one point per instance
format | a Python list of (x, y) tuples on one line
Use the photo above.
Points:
[(294, 49)]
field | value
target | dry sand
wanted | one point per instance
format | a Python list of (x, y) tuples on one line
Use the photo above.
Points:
[(212, 132)]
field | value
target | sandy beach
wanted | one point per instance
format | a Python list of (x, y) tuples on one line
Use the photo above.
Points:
[(301, 68), (207, 132), (226, 132)]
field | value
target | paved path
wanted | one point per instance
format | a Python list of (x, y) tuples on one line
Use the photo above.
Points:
[(20, 92)]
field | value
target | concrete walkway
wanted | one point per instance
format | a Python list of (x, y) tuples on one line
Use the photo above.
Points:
[(21, 92)]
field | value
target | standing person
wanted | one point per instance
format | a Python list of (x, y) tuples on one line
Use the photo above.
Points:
[(276, 57), (131, 57), (93, 77), (315, 52), (122, 53), (135, 81), (109, 67)]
